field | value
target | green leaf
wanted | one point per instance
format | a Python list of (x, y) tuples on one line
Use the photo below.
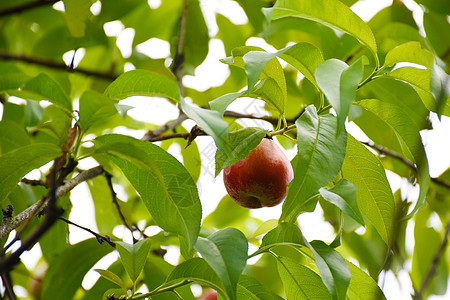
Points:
[(76, 15), (17, 163), (226, 253), (409, 138), (55, 122), (12, 81), (265, 227), (211, 122), (220, 104), (106, 215), (283, 234), (167, 189), (304, 57), (260, 65), (300, 282), (419, 79), (331, 13), (112, 277), (426, 244), (134, 256), (409, 52), (400, 93), (362, 286), (94, 107), (12, 136), (242, 141), (195, 48), (319, 159), (374, 196), (333, 268), (339, 81), (227, 213), (440, 88), (43, 87), (437, 31), (250, 288), (343, 195), (143, 83), (67, 271), (198, 270), (55, 240), (255, 63)]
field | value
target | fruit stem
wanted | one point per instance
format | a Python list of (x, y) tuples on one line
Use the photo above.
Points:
[(290, 138), (322, 100), (281, 131), (324, 109)]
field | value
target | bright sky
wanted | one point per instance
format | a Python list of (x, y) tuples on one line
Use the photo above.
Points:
[(211, 189)]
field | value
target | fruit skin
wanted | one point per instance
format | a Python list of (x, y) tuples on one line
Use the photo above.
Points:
[(260, 179), (209, 295)]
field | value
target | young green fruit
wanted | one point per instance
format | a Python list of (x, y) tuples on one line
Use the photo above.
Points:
[(260, 179)]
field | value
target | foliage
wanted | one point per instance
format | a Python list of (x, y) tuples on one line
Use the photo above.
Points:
[(330, 70)]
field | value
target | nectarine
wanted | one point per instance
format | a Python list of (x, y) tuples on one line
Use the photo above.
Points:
[(261, 178), (209, 295)]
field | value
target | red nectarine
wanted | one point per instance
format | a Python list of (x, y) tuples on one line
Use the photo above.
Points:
[(261, 178), (209, 295)]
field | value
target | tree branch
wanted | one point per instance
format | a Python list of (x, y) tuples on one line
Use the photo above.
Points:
[(6, 279), (26, 6), (33, 182), (434, 265), (55, 65), (116, 203), (100, 238), (9, 224), (405, 161), (178, 60), (52, 214)]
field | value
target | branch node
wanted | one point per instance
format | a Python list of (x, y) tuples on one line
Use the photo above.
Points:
[(8, 213), (195, 132)]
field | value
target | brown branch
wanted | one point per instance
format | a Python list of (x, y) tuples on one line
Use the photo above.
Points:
[(232, 114), (100, 238), (405, 161), (55, 65), (9, 224), (52, 214), (171, 125), (434, 265), (32, 182), (6, 279), (26, 6), (178, 60), (116, 202)]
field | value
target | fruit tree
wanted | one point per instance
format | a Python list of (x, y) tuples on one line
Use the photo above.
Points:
[(123, 124)]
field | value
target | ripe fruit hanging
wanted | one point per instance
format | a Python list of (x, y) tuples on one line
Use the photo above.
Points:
[(209, 295), (260, 179)]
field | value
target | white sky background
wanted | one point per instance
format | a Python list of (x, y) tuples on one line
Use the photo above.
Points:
[(159, 111)]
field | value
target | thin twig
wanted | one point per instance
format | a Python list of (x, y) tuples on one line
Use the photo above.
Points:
[(434, 264), (26, 6), (6, 279), (100, 238), (178, 60), (232, 114), (391, 153), (33, 182), (55, 65), (405, 161), (116, 202)]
